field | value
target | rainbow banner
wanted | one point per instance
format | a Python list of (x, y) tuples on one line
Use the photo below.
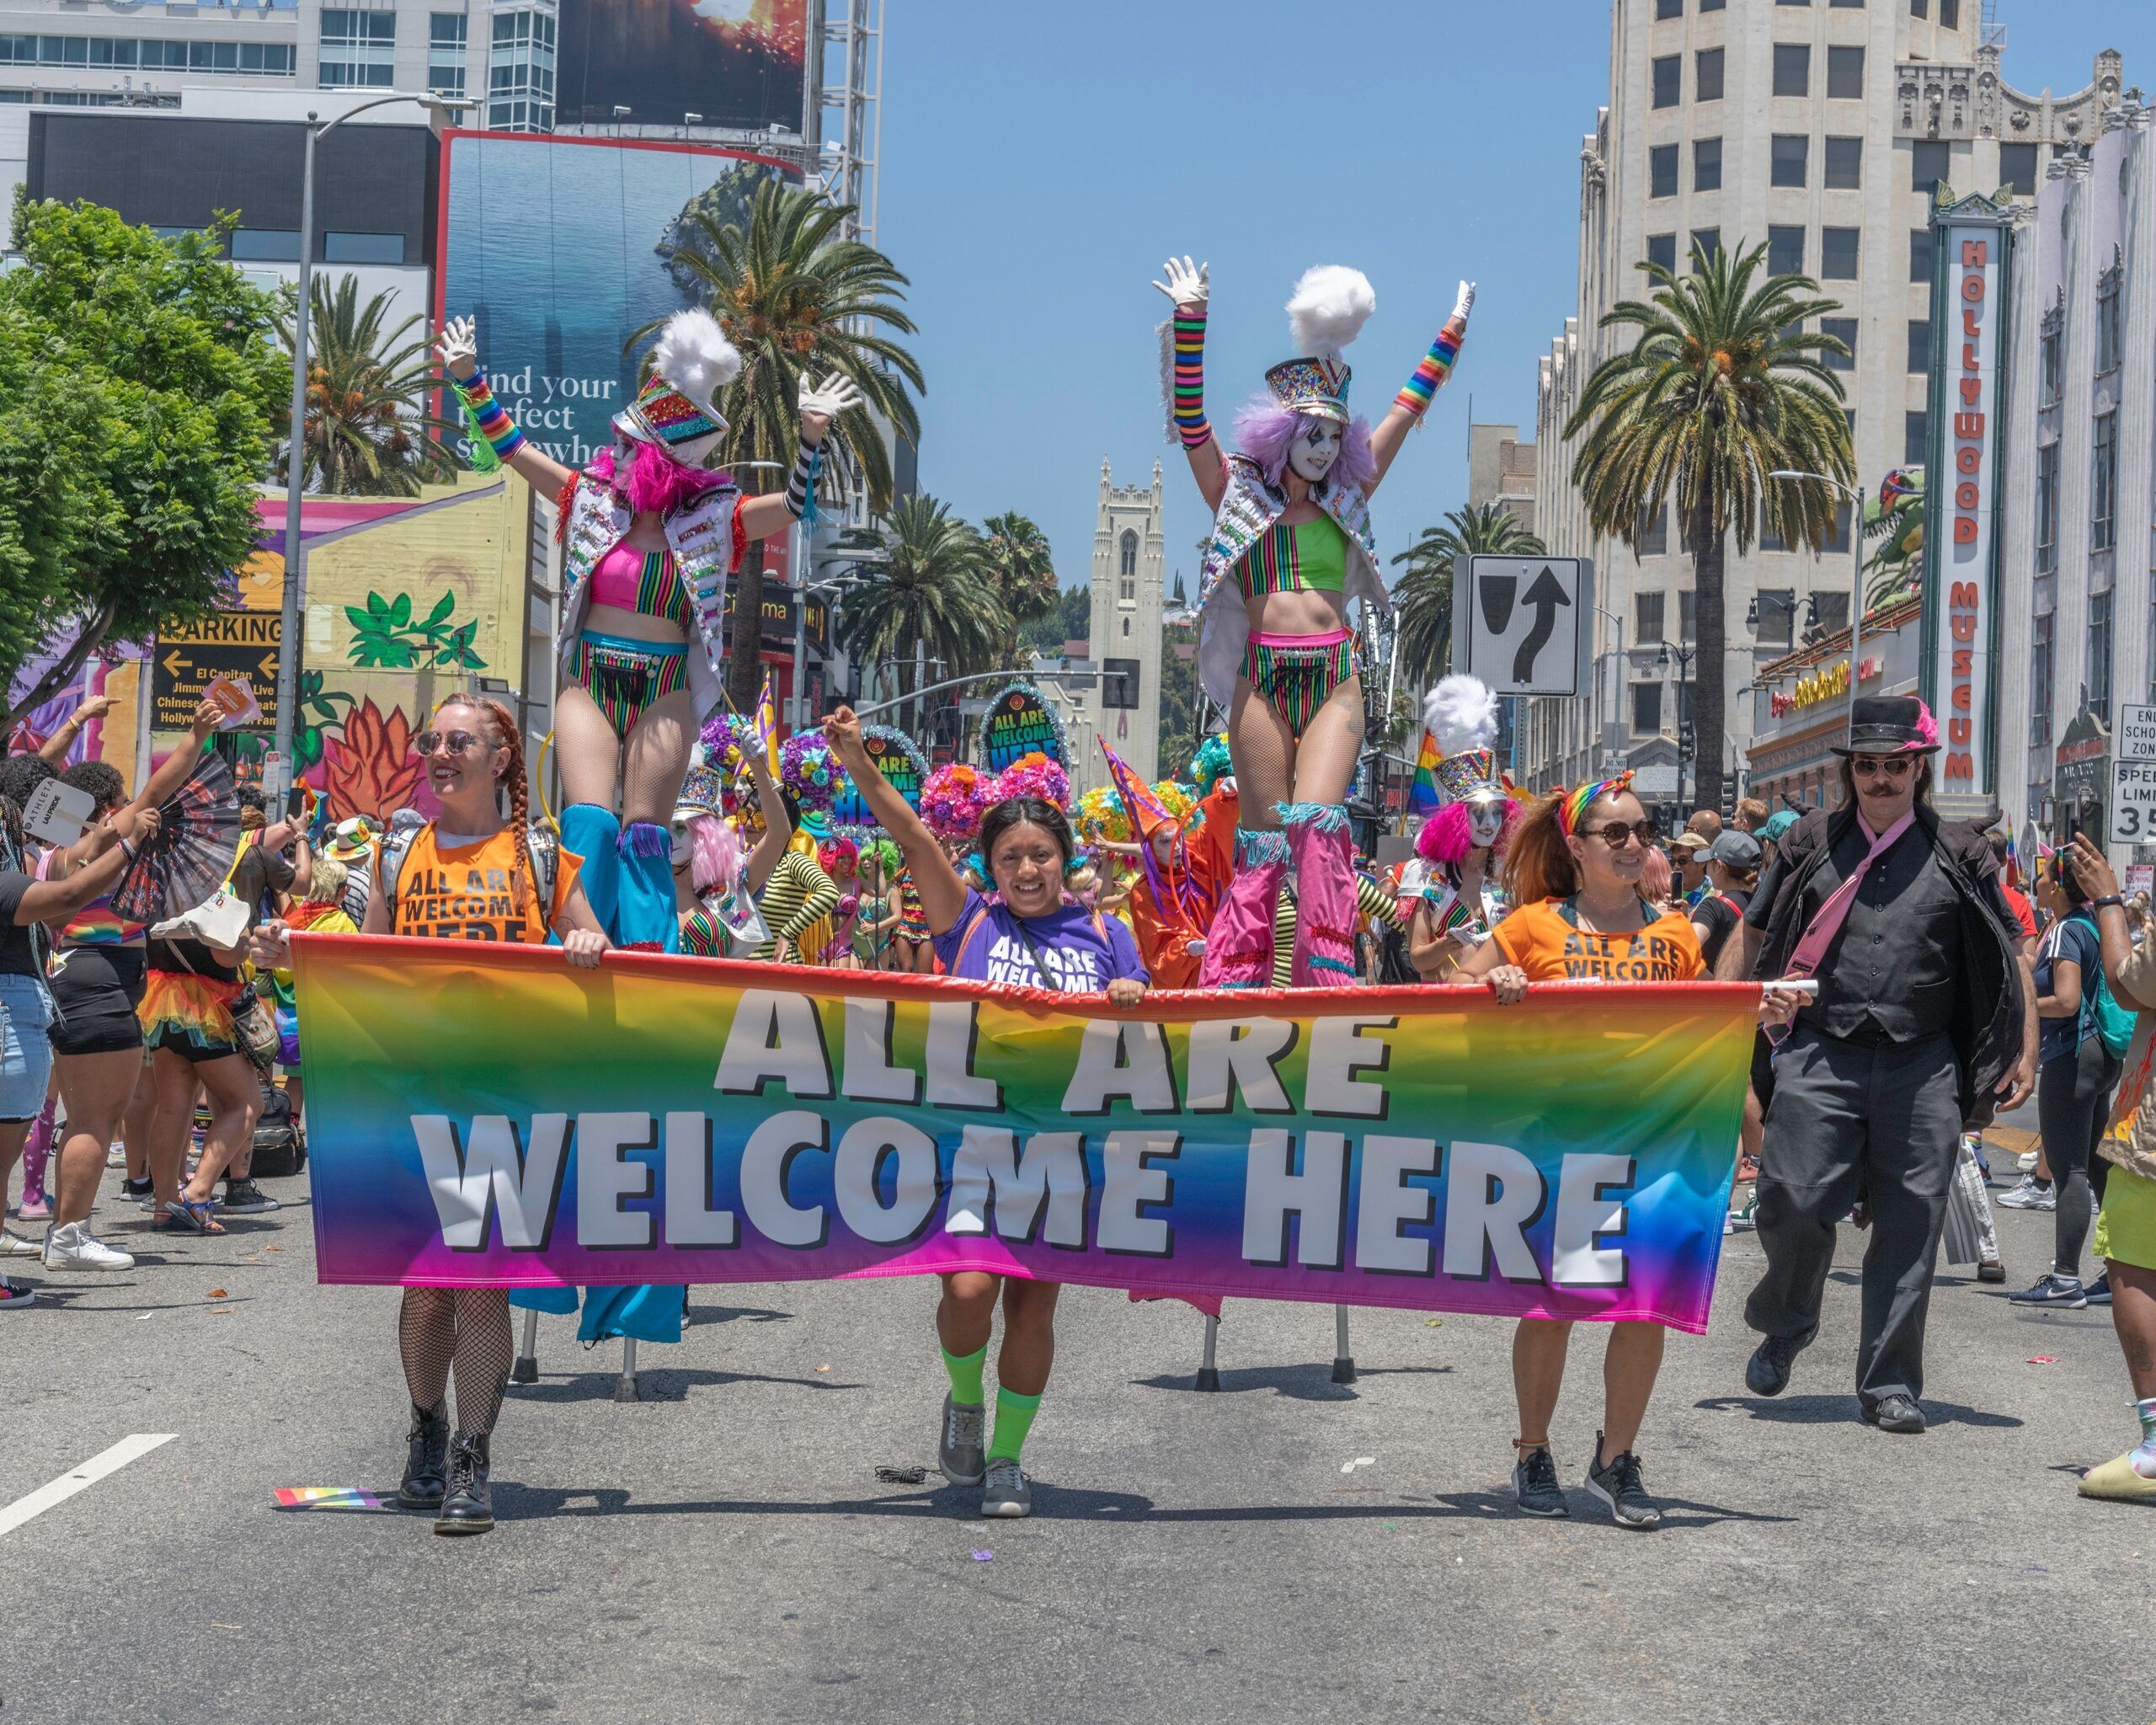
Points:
[(1422, 793), (487, 1116)]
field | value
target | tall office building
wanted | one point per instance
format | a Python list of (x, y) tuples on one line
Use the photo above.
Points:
[(1818, 129)]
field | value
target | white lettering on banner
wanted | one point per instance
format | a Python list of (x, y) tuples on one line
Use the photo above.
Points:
[(857, 1177), (953, 1039), (766, 1160), (690, 1220), (1492, 1196), (1038, 1193), (1118, 1058), (868, 1074), (604, 1177), (1388, 1202), (1132, 1185), (494, 1176), (1227, 1055), (1587, 1218), (1272, 1191), (1338, 1051), (774, 1036)]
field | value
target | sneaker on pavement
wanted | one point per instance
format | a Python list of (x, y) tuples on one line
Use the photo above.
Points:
[(958, 1449), (2026, 1161), (2053, 1290), (1991, 1270), (1746, 1217), (73, 1247), (14, 1246), (15, 1294), (1005, 1495), (2029, 1195), (143, 1192), (1535, 1484), (244, 1198), (1767, 1372), (2100, 1291), (34, 1208), (115, 1156), (1617, 1484)]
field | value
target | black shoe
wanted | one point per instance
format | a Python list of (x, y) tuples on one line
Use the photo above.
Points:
[(1767, 1372), (1895, 1414), (1535, 1484), (2100, 1291), (1991, 1270), (137, 1189), (469, 1505), (244, 1198), (427, 1451), (1618, 1484)]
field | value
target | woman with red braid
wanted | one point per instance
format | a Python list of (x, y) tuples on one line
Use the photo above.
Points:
[(444, 881), (1291, 548), (650, 536)]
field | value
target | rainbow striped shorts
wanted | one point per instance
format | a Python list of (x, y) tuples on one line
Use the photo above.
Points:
[(1297, 673)]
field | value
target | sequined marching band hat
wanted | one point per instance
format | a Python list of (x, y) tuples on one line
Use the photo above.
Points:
[(691, 361), (702, 790), (1461, 714), (1326, 310)]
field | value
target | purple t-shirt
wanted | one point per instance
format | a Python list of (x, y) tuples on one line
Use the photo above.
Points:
[(1079, 961)]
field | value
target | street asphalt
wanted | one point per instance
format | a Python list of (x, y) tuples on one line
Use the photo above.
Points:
[(723, 1550)]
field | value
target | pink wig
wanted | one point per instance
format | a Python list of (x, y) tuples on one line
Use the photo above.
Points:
[(715, 854), (655, 483), (1444, 837), (1264, 430)]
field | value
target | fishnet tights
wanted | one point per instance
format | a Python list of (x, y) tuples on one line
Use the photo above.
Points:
[(467, 1327)]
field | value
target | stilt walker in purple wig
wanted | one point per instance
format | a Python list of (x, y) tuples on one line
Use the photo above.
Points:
[(1290, 549)]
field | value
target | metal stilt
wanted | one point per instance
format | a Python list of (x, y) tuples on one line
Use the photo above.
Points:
[(526, 1369), (625, 1386), (1209, 1372), (1343, 1356)]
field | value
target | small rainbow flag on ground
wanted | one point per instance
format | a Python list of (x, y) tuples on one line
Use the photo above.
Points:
[(767, 725), (329, 1498), (1422, 794)]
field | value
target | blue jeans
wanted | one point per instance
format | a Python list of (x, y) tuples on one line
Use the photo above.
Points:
[(25, 1049)]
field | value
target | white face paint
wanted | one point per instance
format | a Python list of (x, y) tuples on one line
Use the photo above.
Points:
[(1315, 448), (1485, 821), (679, 848)]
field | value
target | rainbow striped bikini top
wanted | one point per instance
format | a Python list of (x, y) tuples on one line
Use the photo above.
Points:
[(646, 582), (1310, 557)]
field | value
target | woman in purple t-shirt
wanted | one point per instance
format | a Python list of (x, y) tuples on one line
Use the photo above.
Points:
[(1025, 935)]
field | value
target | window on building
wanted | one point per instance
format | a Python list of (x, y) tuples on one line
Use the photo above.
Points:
[(2040, 678), (1712, 5), (1930, 160), (1826, 613), (1662, 171), (1706, 164), (265, 245), (1706, 74), (1687, 604), (1647, 709), (1770, 538), (521, 71), (2049, 343), (358, 48), (1916, 439), (1653, 537), (1705, 242), (1851, 5), (362, 247), (1792, 68), (1785, 251), (2107, 320), (1837, 250), (1668, 74), (2046, 507), (1662, 249), (1789, 158), (1845, 74), (1844, 330), (1950, 14), (1920, 255), (1775, 618), (1130, 548), (1843, 164), (1647, 617), (2099, 656), (1669, 9), (2104, 484), (445, 36), (1837, 539), (1792, 2), (1919, 343), (2017, 168)]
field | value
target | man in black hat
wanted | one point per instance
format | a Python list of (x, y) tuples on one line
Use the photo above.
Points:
[(1924, 1020)]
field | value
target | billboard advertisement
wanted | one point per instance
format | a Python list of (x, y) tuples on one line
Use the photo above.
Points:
[(740, 64), (558, 248)]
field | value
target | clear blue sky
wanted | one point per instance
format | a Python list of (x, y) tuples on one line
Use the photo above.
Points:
[(1039, 161)]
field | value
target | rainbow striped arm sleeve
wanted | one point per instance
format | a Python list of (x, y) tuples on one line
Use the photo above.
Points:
[(1189, 405), (1436, 365), (490, 416)]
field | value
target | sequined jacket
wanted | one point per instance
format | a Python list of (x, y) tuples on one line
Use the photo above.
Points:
[(1248, 508), (704, 538)]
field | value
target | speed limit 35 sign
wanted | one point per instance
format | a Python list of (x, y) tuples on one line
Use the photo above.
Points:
[(2133, 802)]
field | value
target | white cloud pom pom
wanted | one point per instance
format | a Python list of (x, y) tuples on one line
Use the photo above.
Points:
[(1461, 714), (694, 355), (1328, 308)]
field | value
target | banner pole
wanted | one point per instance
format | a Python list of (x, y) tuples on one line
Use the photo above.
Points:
[(526, 1369), (1209, 1372), (1343, 1357)]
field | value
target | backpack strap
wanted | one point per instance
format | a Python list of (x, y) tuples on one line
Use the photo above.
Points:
[(965, 940), (546, 852), (396, 846)]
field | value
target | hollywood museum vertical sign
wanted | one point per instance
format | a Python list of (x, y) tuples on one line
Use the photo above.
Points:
[(1973, 239)]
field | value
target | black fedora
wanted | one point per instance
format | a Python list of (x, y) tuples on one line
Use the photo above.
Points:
[(1890, 724)]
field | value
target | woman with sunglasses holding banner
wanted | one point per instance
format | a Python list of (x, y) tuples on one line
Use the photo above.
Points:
[(1573, 871)]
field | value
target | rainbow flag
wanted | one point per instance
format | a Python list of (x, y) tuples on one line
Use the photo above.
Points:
[(767, 724), (1422, 794), (484, 1115)]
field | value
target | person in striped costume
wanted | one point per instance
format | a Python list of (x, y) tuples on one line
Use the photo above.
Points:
[(1465, 840), (1290, 550)]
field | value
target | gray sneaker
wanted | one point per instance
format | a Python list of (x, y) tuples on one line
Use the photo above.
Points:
[(1616, 1483), (1006, 1494), (958, 1452)]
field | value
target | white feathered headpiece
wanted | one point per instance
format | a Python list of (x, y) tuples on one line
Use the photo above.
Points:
[(1328, 308), (691, 361), (1461, 714)]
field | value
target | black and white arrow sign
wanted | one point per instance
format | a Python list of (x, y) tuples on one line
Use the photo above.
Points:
[(1525, 625)]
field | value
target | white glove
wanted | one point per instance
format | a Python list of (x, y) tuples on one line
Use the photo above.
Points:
[(1188, 284), (458, 345), (1465, 303), (826, 401)]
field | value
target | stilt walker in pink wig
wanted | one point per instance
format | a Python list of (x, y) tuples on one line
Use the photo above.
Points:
[(1291, 548), (1465, 840)]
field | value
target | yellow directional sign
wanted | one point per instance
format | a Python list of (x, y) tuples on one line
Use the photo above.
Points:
[(228, 644)]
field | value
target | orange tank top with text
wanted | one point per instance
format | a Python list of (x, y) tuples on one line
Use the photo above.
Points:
[(471, 891)]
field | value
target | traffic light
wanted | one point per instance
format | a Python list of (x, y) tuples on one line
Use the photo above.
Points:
[(1729, 799), (1118, 683)]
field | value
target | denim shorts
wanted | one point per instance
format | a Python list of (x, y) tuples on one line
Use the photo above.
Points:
[(25, 1049)]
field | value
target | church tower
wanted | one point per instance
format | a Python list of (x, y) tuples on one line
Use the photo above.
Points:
[(1128, 551)]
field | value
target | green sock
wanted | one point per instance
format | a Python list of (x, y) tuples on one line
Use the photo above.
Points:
[(1014, 1418), (965, 1369)]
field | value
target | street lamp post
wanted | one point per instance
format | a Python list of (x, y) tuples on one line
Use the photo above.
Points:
[(1684, 656), (1856, 579), (1617, 694), (288, 634)]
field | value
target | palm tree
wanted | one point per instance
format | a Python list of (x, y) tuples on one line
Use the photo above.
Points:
[(1422, 599), (371, 430), (1722, 386), (1024, 572), (798, 299), (933, 593)]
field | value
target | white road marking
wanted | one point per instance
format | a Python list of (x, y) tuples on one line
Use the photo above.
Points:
[(79, 1479)]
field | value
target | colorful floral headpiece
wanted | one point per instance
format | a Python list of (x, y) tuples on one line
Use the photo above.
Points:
[(1033, 774), (1211, 763), (808, 768), (1577, 803), (724, 737), (954, 799), (1101, 818)]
